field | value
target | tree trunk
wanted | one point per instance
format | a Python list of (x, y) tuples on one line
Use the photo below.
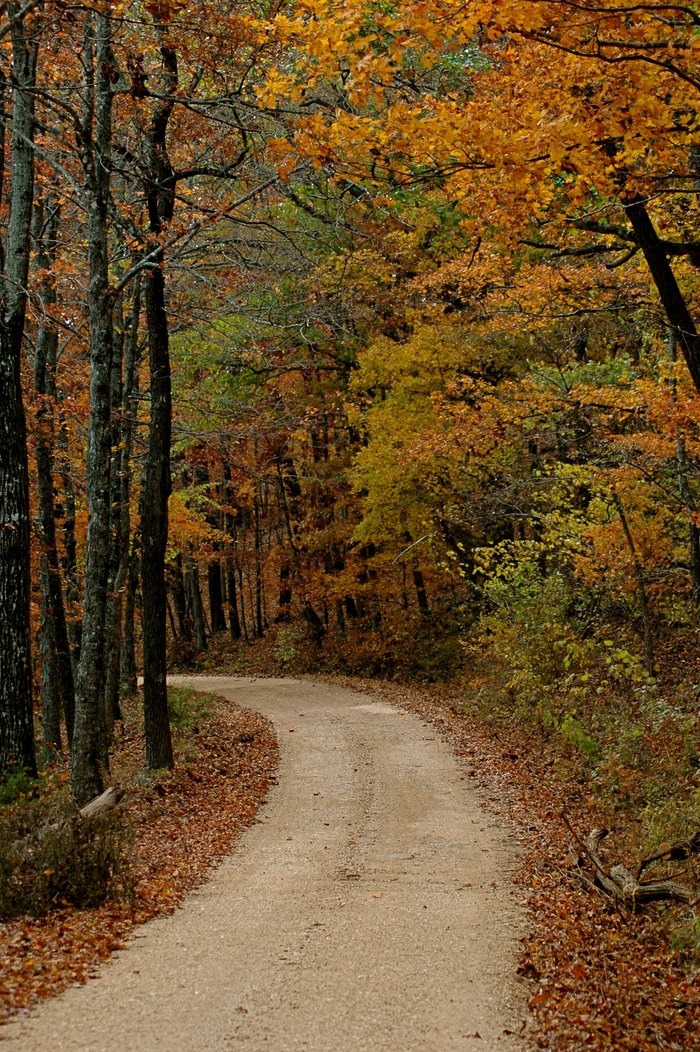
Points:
[(57, 686), (90, 759), (192, 579), (154, 532), (234, 620), (670, 294), (16, 722), (160, 200), (233, 615), (216, 598), (119, 544), (121, 488), (259, 630), (177, 588), (244, 624), (127, 657), (421, 594), (69, 560)]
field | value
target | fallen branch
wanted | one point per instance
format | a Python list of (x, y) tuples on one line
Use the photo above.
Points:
[(623, 886), (104, 802)]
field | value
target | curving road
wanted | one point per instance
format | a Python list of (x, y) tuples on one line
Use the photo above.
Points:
[(368, 910)]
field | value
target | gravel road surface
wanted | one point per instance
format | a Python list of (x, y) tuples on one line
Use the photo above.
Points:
[(369, 909)]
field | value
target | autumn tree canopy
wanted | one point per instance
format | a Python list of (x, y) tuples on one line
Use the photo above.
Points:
[(341, 326)]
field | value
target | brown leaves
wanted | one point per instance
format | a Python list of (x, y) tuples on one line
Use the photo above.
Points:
[(183, 825)]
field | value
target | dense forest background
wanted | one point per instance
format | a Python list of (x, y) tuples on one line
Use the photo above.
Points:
[(364, 331)]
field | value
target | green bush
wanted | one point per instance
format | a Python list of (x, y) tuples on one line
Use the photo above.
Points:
[(17, 785), (51, 857), (187, 708)]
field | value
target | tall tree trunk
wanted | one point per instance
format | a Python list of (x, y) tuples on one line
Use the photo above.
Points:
[(216, 597), (129, 568), (177, 588), (160, 200), (16, 722), (57, 686), (259, 629), (119, 554), (421, 594), (154, 532), (90, 758), (234, 620), (69, 559), (127, 657), (192, 580)]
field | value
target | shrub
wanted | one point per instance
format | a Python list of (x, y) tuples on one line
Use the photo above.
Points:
[(50, 857), (187, 708)]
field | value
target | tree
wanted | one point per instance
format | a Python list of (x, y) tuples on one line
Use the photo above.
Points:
[(90, 756), (16, 720)]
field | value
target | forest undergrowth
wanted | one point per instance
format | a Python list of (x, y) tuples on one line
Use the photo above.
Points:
[(180, 824)]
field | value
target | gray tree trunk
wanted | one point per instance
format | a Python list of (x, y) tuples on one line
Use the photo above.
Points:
[(121, 493), (90, 758), (16, 722)]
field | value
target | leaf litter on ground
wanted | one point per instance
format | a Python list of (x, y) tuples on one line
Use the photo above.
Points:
[(184, 822)]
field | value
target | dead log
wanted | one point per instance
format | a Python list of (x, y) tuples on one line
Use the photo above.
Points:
[(104, 802), (621, 884)]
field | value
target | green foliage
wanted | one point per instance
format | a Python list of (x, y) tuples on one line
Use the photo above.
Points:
[(525, 626), (288, 640), (17, 786), (685, 939), (574, 732), (51, 857), (187, 708)]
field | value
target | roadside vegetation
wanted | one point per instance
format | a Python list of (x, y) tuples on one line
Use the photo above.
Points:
[(72, 888)]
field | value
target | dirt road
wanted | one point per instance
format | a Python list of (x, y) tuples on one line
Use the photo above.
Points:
[(369, 909)]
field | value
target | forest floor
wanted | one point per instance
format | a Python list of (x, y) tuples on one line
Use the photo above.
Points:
[(599, 977), (371, 907), (183, 823)]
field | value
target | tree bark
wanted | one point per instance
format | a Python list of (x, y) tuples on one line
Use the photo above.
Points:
[(16, 721), (127, 657), (233, 615), (121, 493), (90, 758), (192, 579), (154, 532), (69, 560), (57, 686), (216, 598), (160, 200), (177, 588), (671, 297)]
